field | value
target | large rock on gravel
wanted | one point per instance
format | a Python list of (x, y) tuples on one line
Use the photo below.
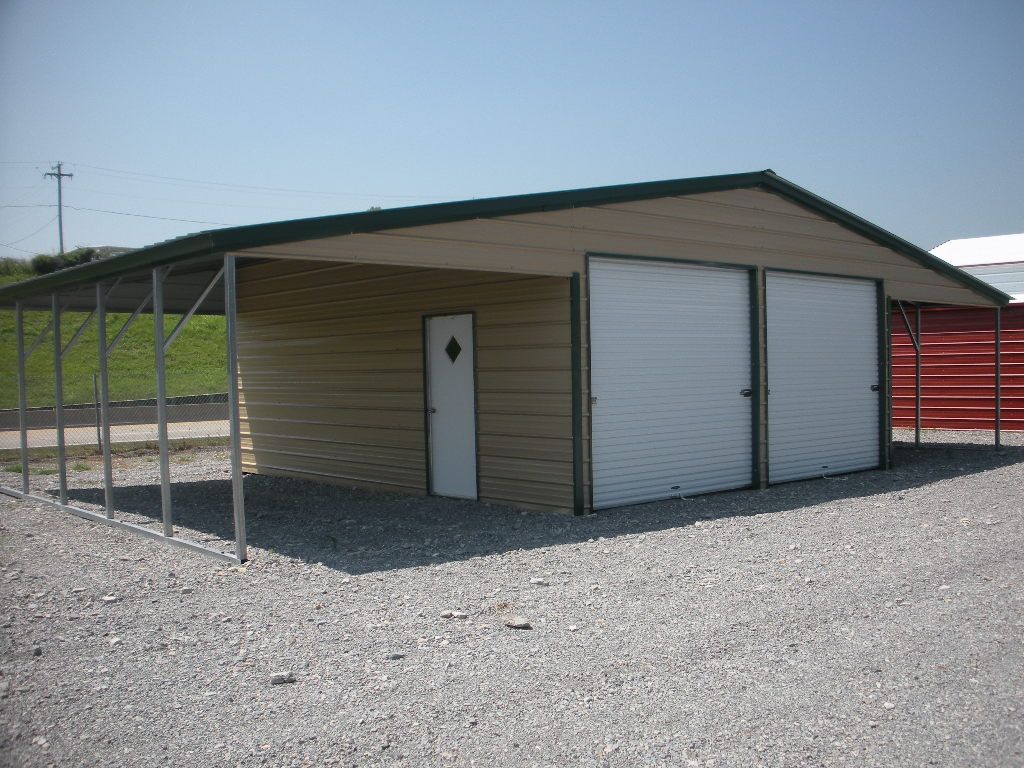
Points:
[(280, 678)]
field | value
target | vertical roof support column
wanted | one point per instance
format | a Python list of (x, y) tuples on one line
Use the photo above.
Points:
[(19, 323), (999, 376), (917, 377), (161, 401), (58, 399), (237, 488), (915, 339), (101, 333), (885, 377)]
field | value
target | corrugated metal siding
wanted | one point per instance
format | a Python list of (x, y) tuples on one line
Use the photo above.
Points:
[(751, 227), (1008, 278), (670, 356), (822, 362), (958, 368), (746, 227), (331, 366)]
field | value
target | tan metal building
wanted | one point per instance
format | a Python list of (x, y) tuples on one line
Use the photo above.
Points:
[(452, 348)]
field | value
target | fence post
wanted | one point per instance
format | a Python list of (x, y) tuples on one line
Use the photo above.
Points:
[(19, 322)]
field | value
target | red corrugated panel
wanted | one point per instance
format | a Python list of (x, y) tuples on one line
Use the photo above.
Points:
[(958, 369)]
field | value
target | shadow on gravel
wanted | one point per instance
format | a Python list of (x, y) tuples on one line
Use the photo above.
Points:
[(358, 531)]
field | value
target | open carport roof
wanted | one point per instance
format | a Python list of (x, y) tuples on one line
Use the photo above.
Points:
[(238, 239)]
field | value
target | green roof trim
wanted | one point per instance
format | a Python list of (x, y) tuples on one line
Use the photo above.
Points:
[(275, 233)]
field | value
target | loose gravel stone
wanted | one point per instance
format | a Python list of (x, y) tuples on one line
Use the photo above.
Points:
[(518, 622), (702, 645), (280, 678)]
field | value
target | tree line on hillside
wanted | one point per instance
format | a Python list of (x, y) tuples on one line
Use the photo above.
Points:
[(46, 263)]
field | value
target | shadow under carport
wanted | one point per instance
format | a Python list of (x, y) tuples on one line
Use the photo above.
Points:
[(359, 531)]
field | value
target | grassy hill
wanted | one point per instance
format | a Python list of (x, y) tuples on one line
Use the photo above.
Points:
[(196, 362)]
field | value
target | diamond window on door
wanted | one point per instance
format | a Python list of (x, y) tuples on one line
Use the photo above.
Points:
[(453, 349)]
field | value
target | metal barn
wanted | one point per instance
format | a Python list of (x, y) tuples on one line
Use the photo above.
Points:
[(958, 359), (574, 350)]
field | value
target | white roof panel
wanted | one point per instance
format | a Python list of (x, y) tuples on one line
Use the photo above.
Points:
[(998, 260), (970, 251)]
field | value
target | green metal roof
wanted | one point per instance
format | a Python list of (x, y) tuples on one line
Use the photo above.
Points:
[(275, 233)]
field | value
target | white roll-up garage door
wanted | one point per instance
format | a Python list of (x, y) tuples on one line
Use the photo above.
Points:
[(670, 361), (823, 415)]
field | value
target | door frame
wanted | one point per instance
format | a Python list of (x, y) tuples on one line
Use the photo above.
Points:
[(884, 339), (756, 358), (425, 363)]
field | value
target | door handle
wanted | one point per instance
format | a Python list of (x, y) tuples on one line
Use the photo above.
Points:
[(747, 392), (431, 410), (874, 387)]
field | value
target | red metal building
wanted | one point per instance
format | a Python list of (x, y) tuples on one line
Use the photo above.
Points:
[(958, 348)]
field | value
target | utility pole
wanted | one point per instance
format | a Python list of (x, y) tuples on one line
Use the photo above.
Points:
[(59, 175)]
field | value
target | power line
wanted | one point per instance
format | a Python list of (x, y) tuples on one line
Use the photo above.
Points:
[(145, 216), (246, 186), (26, 237), (179, 200), (15, 248), (118, 213), (177, 180)]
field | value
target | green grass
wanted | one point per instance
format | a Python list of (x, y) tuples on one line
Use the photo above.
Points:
[(80, 466), (15, 468), (196, 362), (130, 449)]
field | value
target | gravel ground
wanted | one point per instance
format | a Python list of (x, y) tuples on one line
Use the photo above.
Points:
[(874, 619)]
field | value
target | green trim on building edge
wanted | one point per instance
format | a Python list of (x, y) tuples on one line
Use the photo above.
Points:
[(295, 230), (576, 350)]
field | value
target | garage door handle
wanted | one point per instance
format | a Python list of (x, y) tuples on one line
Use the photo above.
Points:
[(431, 410), (874, 387), (747, 392)]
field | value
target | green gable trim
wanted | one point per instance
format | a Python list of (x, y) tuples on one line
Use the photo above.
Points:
[(864, 227), (276, 233)]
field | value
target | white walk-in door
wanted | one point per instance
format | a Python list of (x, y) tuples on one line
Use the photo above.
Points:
[(823, 375), (451, 405), (670, 380)]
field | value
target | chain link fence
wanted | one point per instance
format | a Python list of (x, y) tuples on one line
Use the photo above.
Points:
[(197, 407)]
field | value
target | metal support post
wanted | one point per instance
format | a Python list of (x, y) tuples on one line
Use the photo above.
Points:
[(108, 471), (58, 400), (999, 377), (915, 339), (19, 322), (161, 401), (917, 377), (237, 489)]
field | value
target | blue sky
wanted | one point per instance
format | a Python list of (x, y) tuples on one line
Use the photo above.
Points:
[(910, 114)]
